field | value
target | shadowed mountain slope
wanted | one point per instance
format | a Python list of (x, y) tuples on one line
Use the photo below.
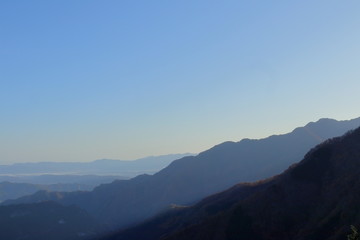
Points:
[(44, 221), (316, 199), (189, 179)]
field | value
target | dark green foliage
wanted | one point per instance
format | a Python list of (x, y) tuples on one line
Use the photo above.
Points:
[(354, 235)]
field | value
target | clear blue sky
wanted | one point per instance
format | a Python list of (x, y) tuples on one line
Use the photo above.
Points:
[(82, 80)]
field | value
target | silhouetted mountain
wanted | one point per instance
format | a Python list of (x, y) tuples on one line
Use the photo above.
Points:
[(316, 199), (45, 221), (148, 165), (189, 179), (15, 190)]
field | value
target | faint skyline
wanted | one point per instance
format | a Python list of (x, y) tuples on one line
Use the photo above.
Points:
[(85, 80)]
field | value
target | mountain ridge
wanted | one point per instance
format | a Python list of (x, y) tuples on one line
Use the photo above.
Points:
[(317, 198), (9, 190), (186, 180), (125, 168)]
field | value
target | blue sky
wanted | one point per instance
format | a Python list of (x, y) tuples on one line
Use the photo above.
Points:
[(83, 80)]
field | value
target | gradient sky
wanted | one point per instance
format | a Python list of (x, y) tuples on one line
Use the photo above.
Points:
[(83, 80)]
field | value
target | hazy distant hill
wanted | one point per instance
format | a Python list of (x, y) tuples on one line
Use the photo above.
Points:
[(14, 184), (90, 180), (45, 221), (317, 199), (99, 167), (189, 179), (15, 190)]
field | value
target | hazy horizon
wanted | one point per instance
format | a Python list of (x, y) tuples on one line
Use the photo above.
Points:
[(106, 159), (122, 80)]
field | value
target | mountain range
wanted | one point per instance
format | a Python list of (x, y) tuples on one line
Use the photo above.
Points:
[(189, 179), (124, 168), (49, 179), (21, 179), (315, 199), (10, 190)]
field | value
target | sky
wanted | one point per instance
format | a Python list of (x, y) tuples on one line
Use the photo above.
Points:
[(85, 80)]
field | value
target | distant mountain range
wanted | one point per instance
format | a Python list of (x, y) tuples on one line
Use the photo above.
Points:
[(189, 179), (122, 168), (46, 179), (10, 190), (316, 199), (21, 179)]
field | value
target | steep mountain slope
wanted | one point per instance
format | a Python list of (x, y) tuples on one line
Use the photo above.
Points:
[(189, 179), (316, 199), (44, 221)]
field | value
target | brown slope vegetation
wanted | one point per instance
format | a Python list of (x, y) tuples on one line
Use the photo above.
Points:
[(316, 199)]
